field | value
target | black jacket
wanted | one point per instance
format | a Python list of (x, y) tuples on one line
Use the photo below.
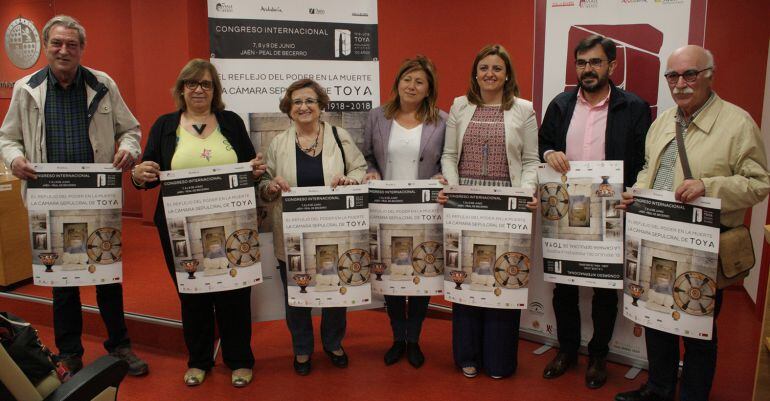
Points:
[(627, 122), (161, 146)]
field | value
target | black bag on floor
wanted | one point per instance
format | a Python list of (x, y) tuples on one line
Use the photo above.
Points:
[(20, 340)]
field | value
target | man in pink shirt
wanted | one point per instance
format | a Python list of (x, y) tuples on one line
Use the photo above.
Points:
[(597, 121)]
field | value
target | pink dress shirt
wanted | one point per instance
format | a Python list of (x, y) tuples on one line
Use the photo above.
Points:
[(585, 136)]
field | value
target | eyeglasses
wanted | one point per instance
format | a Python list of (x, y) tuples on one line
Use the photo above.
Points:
[(689, 75), (193, 85), (308, 102), (595, 62)]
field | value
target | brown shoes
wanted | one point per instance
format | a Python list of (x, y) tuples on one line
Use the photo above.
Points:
[(559, 365), (596, 374)]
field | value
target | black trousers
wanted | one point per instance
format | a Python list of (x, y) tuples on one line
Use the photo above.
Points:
[(230, 311), (700, 361), (406, 321), (604, 310), (486, 338), (68, 318), (300, 322)]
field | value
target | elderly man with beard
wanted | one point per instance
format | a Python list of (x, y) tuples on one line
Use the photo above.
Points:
[(596, 121)]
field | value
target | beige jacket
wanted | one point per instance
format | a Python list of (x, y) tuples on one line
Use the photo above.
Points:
[(520, 141), (281, 161), (23, 130), (725, 150)]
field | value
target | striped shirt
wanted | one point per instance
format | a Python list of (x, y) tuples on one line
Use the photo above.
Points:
[(66, 122), (664, 178)]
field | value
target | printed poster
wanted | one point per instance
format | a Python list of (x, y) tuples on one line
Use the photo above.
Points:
[(671, 263), (212, 224), (75, 224), (582, 231), (326, 239), (487, 242), (406, 237)]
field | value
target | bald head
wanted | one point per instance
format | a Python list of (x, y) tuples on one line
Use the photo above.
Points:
[(687, 63)]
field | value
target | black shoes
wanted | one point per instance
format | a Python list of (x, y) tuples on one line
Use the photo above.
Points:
[(73, 363), (302, 368), (643, 394), (395, 352), (414, 354), (340, 361), (559, 365), (136, 366), (596, 374)]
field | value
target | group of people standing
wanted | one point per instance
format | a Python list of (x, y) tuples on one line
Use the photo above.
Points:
[(489, 138)]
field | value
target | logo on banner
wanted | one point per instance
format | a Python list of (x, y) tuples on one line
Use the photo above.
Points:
[(224, 7), (22, 43), (697, 215), (233, 180), (271, 9), (536, 308), (588, 3), (350, 201), (341, 43), (426, 195), (101, 180), (512, 203), (316, 11)]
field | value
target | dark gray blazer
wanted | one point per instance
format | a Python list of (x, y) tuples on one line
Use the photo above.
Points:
[(377, 135)]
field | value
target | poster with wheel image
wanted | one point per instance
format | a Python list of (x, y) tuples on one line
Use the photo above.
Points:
[(212, 225), (582, 231), (487, 246), (326, 239), (74, 224), (405, 237), (671, 263)]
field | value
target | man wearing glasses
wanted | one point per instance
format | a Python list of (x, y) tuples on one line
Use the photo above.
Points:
[(596, 121), (727, 157), (67, 113)]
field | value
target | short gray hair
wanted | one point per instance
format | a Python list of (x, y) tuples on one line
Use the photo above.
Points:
[(67, 22), (709, 61)]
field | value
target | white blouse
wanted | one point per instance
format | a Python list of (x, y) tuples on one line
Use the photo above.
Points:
[(403, 152)]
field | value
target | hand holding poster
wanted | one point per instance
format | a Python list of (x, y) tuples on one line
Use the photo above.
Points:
[(405, 237), (326, 235), (671, 263), (582, 230), (74, 221), (487, 242), (212, 224)]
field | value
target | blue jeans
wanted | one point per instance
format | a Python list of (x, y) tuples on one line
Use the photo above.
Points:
[(406, 321), (300, 322)]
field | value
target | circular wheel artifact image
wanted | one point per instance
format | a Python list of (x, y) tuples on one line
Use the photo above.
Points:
[(104, 246), (555, 200), (428, 259), (242, 247), (695, 293), (353, 266), (512, 270)]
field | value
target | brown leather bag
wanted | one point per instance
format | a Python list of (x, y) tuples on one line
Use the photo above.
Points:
[(736, 256)]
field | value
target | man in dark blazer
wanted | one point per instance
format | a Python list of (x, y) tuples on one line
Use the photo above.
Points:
[(596, 121)]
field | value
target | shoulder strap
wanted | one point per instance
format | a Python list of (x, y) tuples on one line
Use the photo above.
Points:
[(342, 151), (682, 153)]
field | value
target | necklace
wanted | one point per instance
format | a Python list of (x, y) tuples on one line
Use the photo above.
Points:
[(199, 127), (311, 148)]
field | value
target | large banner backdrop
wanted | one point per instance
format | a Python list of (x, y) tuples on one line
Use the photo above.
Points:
[(260, 48), (646, 32)]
